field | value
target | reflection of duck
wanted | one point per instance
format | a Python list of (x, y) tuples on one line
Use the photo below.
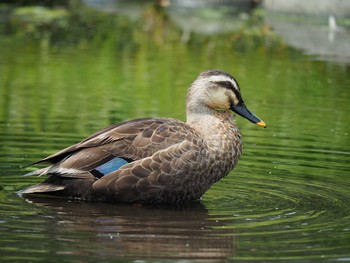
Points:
[(128, 232), (155, 160)]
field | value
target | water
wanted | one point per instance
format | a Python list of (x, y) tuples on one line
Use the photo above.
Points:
[(286, 201)]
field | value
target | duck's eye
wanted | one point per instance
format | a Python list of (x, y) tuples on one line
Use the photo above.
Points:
[(225, 84)]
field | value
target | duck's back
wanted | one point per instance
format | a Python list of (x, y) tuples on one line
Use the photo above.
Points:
[(133, 139)]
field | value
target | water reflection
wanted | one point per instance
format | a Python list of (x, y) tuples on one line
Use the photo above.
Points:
[(318, 40), (133, 9), (117, 231), (208, 17), (204, 17), (313, 28), (287, 200)]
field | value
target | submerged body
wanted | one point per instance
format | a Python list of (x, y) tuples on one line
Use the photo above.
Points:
[(155, 160)]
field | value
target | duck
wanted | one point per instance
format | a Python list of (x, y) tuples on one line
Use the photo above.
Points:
[(161, 161)]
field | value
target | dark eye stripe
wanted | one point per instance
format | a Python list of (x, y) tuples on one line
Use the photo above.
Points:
[(224, 84), (228, 85)]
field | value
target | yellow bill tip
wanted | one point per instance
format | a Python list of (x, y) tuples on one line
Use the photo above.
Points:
[(261, 123)]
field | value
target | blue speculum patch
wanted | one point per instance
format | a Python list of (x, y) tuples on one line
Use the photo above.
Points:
[(111, 165)]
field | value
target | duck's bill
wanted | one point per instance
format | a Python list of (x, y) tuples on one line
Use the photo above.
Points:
[(242, 110)]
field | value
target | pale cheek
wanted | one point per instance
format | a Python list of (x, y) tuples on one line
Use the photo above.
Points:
[(218, 100), (219, 105), (227, 105)]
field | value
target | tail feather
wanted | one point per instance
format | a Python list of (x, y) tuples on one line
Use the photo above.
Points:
[(39, 172), (41, 188), (63, 186)]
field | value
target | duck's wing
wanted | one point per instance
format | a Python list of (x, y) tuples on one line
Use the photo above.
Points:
[(109, 149), (160, 177), (105, 136)]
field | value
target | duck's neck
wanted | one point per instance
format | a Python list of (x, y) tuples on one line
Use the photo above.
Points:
[(212, 124), (221, 136)]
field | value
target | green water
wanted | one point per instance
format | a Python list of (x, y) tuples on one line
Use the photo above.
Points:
[(288, 200)]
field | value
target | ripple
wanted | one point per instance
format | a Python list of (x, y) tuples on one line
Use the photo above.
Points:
[(291, 197), (286, 200)]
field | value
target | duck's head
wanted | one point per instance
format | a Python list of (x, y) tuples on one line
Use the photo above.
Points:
[(219, 91)]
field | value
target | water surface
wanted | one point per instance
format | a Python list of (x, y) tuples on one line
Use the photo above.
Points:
[(286, 201)]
